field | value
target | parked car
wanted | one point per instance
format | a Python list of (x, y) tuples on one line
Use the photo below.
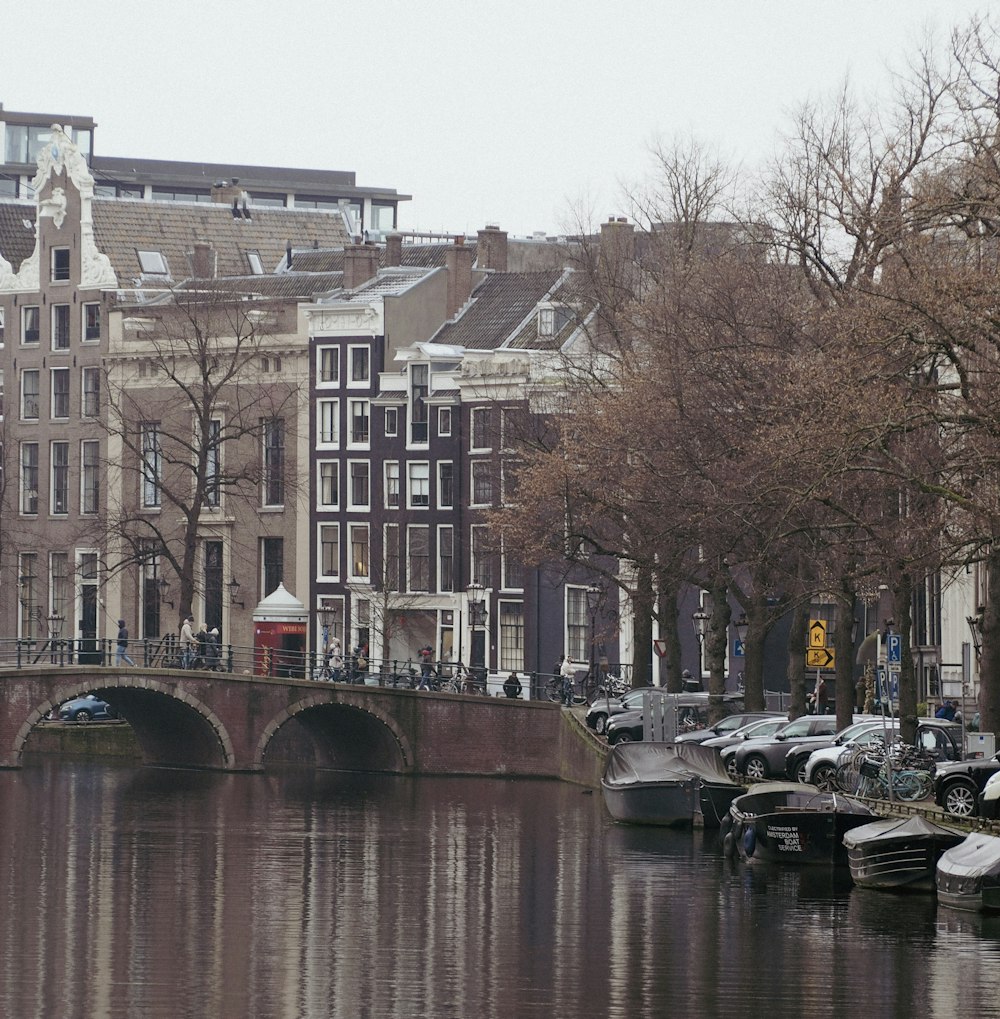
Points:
[(86, 709), (938, 737), (692, 711), (726, 726), (603, 708), (989, 798), (726, 745), (760, 759), (957, 785)]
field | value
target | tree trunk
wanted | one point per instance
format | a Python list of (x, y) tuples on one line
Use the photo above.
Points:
[(843, 648), (989, 662), (716, 643), (643, 633), (669, 632), (798, 635), (902, 601), (753, 649)]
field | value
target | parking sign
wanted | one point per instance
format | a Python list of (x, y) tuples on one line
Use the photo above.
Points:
[(894, 647)]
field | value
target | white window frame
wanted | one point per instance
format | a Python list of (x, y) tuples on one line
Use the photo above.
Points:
[(352, 566), (36, 373), (441, 531), (440, 487), (475, 415), (152, 263), (28, 504), (391, 414), (90, 476), (90, 373), (151, 474), (60, 249), (414, 482), (480, 565), (353, 382), (322, 530), (321, 467), (390, 484), (352, 406), (477, 467), (425, 531), (327, 352), (328, 423), (62, 374), (444, 421), (25, 309), (62, 311), (351, 503), (62, 487), (85, 309)]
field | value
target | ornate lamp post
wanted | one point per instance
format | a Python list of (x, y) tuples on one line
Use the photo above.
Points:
[(477, 618), (701, 619), (55, 629), (593, 594)]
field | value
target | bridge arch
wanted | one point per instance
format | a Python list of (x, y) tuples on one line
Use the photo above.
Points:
[(171, 726), (342, 734)]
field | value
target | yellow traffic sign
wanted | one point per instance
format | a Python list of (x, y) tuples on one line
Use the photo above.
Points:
[(817, 633), (820, 658)]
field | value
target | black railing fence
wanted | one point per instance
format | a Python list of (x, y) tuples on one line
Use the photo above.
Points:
[(406, 674)]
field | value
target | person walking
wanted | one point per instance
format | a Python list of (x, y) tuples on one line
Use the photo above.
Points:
[(335, 661), (121, 651), (568, 673), (425, 667), (188, 644), (512, 686), (213, 650)]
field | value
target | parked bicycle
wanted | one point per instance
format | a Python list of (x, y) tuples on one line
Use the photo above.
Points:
[(866, 772)]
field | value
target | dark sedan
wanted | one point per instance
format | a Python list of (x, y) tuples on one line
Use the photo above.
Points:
[(604, 707), (726, 726), (957, 785), (760, 759)]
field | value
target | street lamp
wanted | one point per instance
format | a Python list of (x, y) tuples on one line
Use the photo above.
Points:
[(163, 586), (701, 619), (976, 627), (477, 617), (593, 594), (234, 590), (55, 629)]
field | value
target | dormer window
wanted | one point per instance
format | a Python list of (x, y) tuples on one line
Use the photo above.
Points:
[(256, 265), (152, 263), (546, 321)]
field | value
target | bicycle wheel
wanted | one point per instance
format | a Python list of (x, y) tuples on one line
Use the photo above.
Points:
[(906, 786), (553, 689), (848, 777)]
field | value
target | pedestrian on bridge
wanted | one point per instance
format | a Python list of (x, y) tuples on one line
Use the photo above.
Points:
[(121, 651), (188, 645)]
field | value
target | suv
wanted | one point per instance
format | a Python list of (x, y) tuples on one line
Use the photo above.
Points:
[(760, 759), (957, 785)]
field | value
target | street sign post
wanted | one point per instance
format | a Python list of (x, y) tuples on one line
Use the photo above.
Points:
[(739, 648), (894, 648), (817, 633), (820, 658)]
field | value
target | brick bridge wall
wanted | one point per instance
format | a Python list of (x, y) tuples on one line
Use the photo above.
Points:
[(242, 723)]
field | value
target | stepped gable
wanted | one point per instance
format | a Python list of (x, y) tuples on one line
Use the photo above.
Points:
[(499, 306), (172, 228)]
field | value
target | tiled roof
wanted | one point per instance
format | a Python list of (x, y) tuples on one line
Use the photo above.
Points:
[(17, 240), (290, 284), (426, 256), (388, 281), (499, 305), (172, 228)]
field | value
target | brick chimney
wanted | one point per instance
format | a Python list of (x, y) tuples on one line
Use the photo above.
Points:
[(394, 249), (458, 262), (617, 241), (492, 248), (203, 260), (225, 192), (360, 264)]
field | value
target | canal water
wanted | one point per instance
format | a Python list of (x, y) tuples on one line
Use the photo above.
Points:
[(144, 893)]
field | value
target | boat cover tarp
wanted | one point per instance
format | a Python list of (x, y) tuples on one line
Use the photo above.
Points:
[(978, 856), (633, 763), (917, 829)]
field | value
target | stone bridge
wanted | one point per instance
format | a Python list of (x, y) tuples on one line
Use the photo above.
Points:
[(245, 723)]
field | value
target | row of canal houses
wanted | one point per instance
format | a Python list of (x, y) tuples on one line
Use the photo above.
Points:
[(208, 399)]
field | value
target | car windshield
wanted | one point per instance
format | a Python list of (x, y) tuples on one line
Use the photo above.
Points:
[(762, 727), (798, 727)]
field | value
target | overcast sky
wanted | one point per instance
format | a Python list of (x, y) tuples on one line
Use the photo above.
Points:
[(508, 112)]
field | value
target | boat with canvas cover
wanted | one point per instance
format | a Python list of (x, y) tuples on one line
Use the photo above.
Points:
[(968, 876), (898, 853)]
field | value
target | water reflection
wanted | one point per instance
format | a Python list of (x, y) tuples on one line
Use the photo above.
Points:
[(157, 893)]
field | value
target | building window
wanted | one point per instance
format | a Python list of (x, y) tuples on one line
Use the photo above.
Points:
[(59, 603), (481, 428), (360, 490), (418, 485), (446, 485), (274, 461), (481, 572), (327, 417), (27, 575), (272, 563), (546, 321), (152, 263), (29, 324), (360, 359), (60, 393), (444, 420), (213, 464), (363, 615), (2, 319), (446, 558), (358, 415), (152, 464), (60, 265), (90, 406), (90, 476), (511, 636), (59, 478), (392, 484), (360, 563), (393, 559), (391, 421), (328, 367), (576, 624), (60, 327), (419, 376), (513, 572), (482, 482), (91, 323), (418, 555), (29, 394), (329, 551), (29, 477), (253, 260), (329, 484)]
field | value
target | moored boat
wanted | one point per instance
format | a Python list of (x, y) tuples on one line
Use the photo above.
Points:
[(786, 822), (666, 784), (898, 853), (968, 875)]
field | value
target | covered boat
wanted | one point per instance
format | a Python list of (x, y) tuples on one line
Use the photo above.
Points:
[(786, 822), (898, 853), (968, 876), (667, 784)]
